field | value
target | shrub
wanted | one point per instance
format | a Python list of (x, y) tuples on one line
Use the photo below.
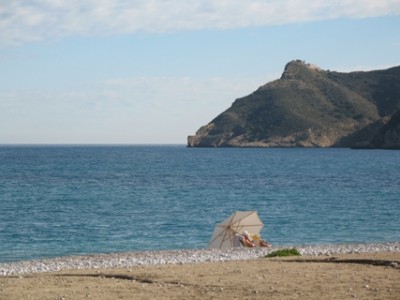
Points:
[(284, 252)]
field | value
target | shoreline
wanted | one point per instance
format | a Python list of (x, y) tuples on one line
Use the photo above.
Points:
[(180, 257)]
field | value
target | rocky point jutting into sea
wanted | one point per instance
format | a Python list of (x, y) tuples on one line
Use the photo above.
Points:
[(311, 107)]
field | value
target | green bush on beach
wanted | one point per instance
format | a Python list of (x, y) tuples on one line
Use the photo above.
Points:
[(284, 252)]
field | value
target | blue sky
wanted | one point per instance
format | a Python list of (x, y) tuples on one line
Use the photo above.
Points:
[(153, 72)]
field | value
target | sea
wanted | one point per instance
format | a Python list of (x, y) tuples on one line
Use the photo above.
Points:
[(78, 200)]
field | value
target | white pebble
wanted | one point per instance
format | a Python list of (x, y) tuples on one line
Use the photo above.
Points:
[(134, 259)]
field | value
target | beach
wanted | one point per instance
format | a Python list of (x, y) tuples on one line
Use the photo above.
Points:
[(363, 271)]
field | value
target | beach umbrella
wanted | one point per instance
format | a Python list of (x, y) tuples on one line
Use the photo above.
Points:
[(237, 223)]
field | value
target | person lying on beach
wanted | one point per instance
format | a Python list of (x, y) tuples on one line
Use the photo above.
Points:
[(264, 244), (246, 240), (254, 240)]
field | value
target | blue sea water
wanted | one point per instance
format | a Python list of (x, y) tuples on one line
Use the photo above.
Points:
[(68, 200)]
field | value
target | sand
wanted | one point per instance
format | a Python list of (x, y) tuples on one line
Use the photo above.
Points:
[(351, 276)]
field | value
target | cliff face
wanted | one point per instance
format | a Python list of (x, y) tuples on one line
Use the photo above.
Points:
[(308, 107), (388, 137)]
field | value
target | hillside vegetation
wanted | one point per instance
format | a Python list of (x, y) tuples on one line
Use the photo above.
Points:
[(310, 107)]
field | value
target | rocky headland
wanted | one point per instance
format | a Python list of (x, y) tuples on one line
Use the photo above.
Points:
[(311, 107)]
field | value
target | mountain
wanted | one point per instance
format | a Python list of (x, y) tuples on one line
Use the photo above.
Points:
[(388, 137), (311, 107)]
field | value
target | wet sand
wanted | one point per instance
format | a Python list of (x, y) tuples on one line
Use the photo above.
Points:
[(344, 276)]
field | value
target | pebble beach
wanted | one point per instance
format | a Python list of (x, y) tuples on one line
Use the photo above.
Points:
[(334, 271), (147, 258)]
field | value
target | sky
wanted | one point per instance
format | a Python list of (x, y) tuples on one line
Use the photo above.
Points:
[(155, 71)]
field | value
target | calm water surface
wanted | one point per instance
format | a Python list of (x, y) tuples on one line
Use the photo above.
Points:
[(64, 200)]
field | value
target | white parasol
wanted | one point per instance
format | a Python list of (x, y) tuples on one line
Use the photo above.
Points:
[(237, 223)]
